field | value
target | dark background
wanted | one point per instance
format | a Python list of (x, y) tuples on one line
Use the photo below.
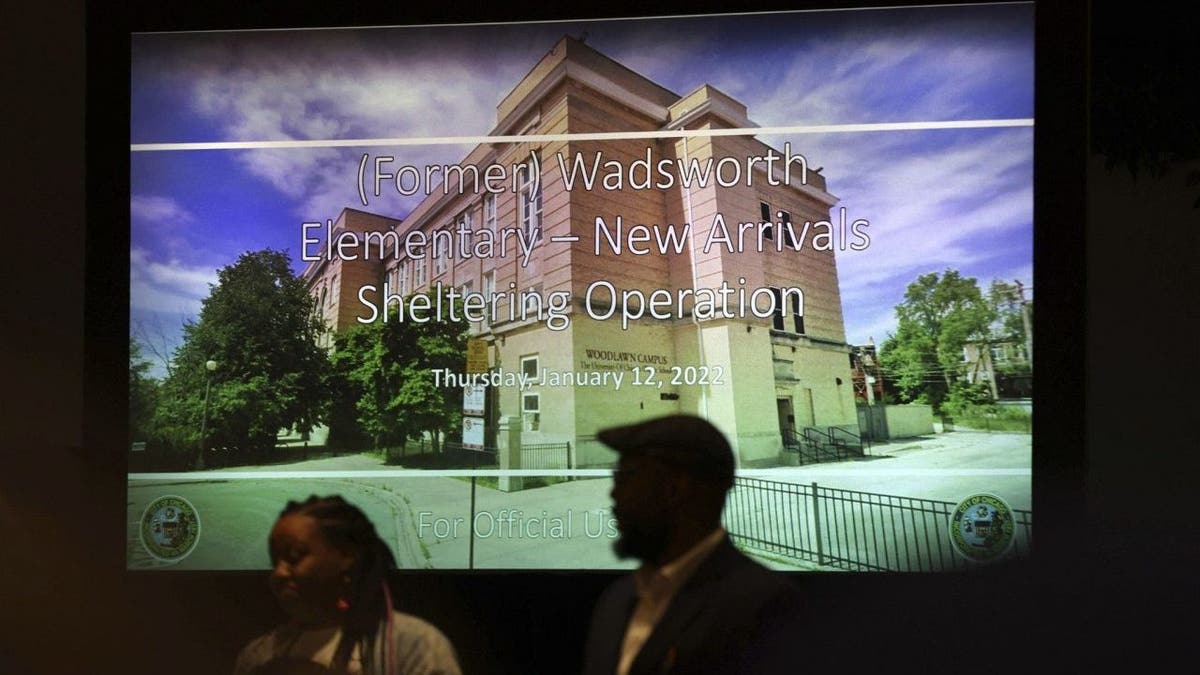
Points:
[(1113, 581)]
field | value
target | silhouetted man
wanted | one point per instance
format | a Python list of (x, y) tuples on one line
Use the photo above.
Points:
[(697, 604)]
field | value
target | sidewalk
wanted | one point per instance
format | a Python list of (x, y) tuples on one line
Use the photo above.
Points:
[(562, 526)]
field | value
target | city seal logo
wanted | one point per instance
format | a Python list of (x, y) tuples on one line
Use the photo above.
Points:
[(170, 528), (982, 527)]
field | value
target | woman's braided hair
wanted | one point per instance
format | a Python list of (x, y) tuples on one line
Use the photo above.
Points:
[(347, 528)]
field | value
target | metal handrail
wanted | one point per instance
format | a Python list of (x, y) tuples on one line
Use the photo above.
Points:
[(805, 450), (848, 439)]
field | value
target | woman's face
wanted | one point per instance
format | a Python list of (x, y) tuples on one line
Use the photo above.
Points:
[(308, 574)]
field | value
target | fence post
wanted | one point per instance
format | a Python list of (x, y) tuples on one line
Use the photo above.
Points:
[(508, 451), (816, 510)]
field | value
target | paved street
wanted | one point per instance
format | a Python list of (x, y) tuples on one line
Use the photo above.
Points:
[(945, 467), (428, 520)]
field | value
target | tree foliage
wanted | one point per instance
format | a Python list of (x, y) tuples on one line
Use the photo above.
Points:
[(939, 315), (384, 372), (964, 397), (143, 394), (258, 324)]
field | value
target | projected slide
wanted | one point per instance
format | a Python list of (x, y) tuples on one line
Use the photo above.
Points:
[(422, 267)]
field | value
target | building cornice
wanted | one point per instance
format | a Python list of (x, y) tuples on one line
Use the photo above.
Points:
[(571, 70)]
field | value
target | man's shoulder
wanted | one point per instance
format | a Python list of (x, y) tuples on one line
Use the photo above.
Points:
[(728, 564), (622, 590)]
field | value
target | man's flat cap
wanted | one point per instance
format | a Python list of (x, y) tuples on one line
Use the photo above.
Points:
[(691, 443)]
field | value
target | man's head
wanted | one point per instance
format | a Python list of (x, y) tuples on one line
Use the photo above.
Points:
[(671, 480)]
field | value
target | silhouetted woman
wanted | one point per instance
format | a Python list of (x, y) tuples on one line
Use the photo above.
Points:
[(329, 573)]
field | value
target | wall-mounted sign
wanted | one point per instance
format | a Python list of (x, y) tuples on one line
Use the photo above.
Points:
[(477, 357)]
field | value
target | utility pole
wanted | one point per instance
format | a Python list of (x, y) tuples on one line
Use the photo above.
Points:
[(985, 357), (1026, 323), (869, 359)]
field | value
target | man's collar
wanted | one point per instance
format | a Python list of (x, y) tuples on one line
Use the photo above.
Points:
[(673, 574)]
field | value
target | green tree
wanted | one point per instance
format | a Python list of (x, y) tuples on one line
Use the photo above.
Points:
[(143, 394), (965, 397), (258, 324), (385, 372), (939, 315)]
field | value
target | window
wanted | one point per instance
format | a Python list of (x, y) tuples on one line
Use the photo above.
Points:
[(999, 354), (464, 224), (489, 211), (464, 290), (785, 221), (402, 278), (419, 273), (529, 366), (530, 195), (764, 210), (531, 404), (797, 313), (532, 302), (441, 251), (531, 411), (488, 288), (779, 319)]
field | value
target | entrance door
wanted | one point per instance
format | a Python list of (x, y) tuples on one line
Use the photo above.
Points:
[(787, 419)]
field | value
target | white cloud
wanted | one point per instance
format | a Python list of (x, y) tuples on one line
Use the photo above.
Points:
[(964, 206), (161, 211), (159, 223), (878, 77), (260, 94), (170, 287)]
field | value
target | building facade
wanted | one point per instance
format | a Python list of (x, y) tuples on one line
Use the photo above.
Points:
[(790, 368)]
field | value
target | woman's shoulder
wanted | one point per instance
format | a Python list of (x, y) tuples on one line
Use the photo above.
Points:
[(421, 647)]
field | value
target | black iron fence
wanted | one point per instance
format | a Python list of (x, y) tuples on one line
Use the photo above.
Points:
[(546, 456), (452, 455), (851, 530)]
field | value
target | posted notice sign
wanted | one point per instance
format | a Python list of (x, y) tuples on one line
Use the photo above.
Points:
[(472, 433), (474, 396)]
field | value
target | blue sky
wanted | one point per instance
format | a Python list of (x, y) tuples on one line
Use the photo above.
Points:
[(936, 199)]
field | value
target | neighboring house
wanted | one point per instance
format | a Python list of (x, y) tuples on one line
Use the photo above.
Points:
[(1003, 364), (867, 374)]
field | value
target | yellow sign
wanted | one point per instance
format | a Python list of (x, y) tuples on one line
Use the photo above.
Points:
[(477, 356)]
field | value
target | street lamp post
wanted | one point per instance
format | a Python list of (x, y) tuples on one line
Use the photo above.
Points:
[(209, 366)]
